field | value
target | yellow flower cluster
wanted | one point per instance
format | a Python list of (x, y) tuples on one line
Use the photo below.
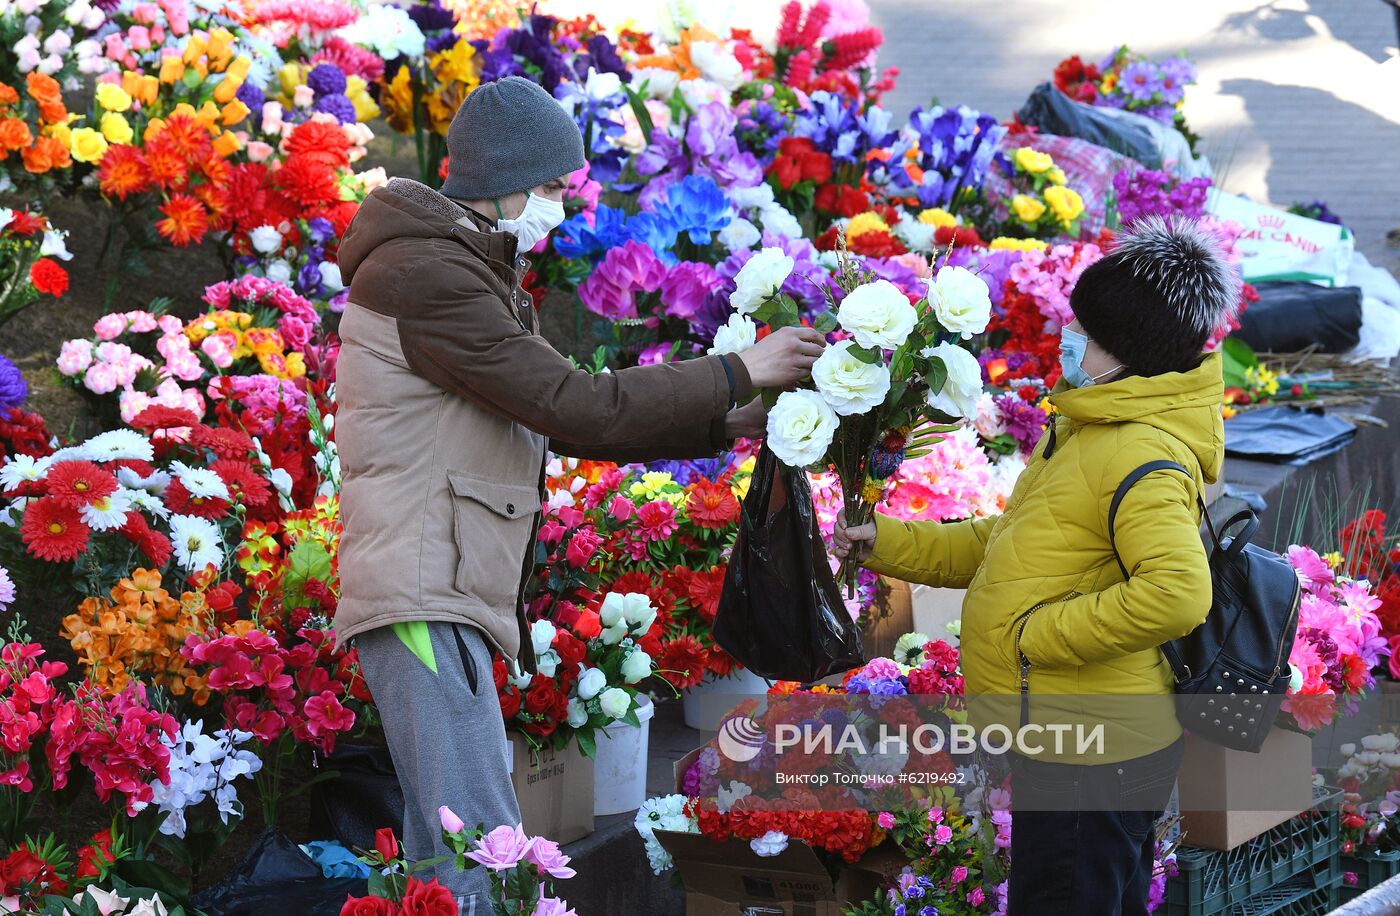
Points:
[(1048, 194), (937, 217), (356, 90), (454, 73), (244, 341), (1005, 243), (865, 222), (655, 485), (1261, 379)]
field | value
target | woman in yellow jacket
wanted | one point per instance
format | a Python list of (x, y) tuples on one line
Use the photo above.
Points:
[(1048, 614)]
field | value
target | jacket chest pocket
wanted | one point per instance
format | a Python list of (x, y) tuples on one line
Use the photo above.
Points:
[(491, 524)]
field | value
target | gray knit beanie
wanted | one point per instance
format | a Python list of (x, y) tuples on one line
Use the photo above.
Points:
[(508, 136)]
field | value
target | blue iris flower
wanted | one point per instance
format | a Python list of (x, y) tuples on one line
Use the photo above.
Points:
[(697, 207), (656, 231), (576, 239)]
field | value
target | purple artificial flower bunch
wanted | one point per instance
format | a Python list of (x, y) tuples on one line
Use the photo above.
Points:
[(1146, 87), (708, 148), (836, 126), (13, 389), (955, 148), (1151, 192)]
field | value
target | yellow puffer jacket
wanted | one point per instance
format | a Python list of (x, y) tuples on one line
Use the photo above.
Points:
[(1045, 567)]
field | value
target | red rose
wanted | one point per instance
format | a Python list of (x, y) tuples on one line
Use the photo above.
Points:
[(498, 673), (510, 703), (368, 906), (540, 697), (588, 626), (571, 650), (386, 843), (427, 899)]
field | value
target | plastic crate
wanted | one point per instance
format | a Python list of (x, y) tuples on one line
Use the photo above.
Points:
[(1306, 848), (1370, 870), (1300, 897)]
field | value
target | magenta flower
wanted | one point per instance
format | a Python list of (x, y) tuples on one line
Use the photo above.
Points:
[(545, 855), (553, 906), (450, 821), (611, 289), (943, 835), (885, 819), (502, 848), (1311, 568), (959, 874), (686, 288)]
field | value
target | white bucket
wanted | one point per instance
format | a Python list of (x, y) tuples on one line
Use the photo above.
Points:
[(708, 702), (620, 767)]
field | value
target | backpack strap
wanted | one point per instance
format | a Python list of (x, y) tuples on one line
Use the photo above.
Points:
[(1137, 474)]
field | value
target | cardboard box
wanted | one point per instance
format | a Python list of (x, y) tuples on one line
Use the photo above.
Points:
[(554, 788), (1229, 797), (935, 608), (730, 879)]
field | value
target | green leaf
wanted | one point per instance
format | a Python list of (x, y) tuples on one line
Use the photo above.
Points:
[(826, 322), (588, 743), (867, 355), (1237, 356), (639, 109), (308, 561), (936, 375), (770, 396), (784, 319)]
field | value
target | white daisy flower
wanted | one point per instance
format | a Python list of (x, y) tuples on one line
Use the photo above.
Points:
[(200, 481), (20, 469), (148, 503), (13, 514), (109, 512), (154, 484), (72, 453), (118, 444), (196, 541)]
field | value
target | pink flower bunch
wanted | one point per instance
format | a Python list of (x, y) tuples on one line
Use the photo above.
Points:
[(269, 689), (612, 288), (105, 365), (266, 401), (303, 20), (144, 30), (27, 704), (1049, 276), (117, 738), (249, 293), (946, 484), (1339, 639), (510, 849), (583, 191), (167, 394)]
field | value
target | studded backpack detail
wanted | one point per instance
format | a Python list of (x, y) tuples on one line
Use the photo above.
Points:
[(1232, 671)]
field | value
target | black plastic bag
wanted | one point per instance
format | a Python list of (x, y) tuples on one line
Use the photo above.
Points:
[(277, 877), (781, 613), (364, 797), (1292, 315), (1286, 435), (1125, 132)]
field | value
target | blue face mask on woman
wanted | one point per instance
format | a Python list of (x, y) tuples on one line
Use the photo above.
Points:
[(1073, 345)]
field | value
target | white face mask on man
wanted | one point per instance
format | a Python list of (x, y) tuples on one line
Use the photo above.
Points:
[(540, 216)]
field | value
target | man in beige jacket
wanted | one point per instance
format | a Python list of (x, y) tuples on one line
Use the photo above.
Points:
[(449, 399)]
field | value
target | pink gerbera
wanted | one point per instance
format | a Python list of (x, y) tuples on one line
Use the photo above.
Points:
[(1312, 570), (658, 520)]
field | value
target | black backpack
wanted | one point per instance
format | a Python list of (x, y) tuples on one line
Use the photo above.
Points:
[(1231, 671)]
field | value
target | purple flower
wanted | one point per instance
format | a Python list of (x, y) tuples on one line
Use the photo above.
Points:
[(430, 17), (338, 105), (308, 281), (956, 147), (320, 231), (1140, 81), (13, 388), (686, 288), (249, 94), (326, 79), (1024, 421), (7, 589)]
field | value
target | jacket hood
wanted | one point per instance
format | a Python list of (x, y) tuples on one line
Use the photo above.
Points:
[(401, 209), (1185, 405)]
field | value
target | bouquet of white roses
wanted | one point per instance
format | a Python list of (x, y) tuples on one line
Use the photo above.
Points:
[(893, 380)]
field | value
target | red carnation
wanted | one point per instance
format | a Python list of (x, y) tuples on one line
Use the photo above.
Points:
[(48, 278), (309, 182), (160, 416), (682, 661), (154, 544), (53, 530), (244, 483), (322, 142)]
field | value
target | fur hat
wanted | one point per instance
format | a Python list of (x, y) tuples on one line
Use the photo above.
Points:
[(1156, 298)]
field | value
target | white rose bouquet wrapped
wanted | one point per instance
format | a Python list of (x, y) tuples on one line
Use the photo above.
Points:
[(896, 378)]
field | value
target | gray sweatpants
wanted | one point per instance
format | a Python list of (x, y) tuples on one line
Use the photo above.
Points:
[(448, 744)]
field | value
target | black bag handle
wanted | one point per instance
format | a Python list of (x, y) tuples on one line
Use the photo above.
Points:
[(1237, 544), (1142, 471)]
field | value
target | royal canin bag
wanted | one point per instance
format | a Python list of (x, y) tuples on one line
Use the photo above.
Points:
[(1232, 671)]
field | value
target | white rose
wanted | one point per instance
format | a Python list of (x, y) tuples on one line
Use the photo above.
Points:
[(716, 63), (330, 276), (777, 220), (636, 666), (600, 86), (590, 682), (1390, 759), (736, 335), (265, 239), (1389, 742), (963, 386), (1347, 749), (800, 427), (849, 385), (960, 301), (1368, 758), (1375, 742), (547, 663), (279, 271), (148, 907), (611, 612), (578, 713), (755, 198), (739, 234), (659, 83), (770, 844), (542, 636), (614, 634), (877, 314), (760, 279), (615, 702)]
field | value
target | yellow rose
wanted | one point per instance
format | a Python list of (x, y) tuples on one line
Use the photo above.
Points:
[(116, 128), (1004, 243), (1066, 203), (112, 97), (938, 217), (1027, 208), (62, 133), (1033, 161), (227, 143), (1057, 175), (865, 222), (87, 145)]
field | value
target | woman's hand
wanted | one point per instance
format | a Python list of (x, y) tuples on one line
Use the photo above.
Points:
[(783, 358), (856, 543), (749, 421)]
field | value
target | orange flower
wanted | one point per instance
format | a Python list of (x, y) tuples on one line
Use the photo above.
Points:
[(45, 90), (187, 137), (8, 95), (46, 153), (185, 221), (123, 172), (167, 167), (15, 134)]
